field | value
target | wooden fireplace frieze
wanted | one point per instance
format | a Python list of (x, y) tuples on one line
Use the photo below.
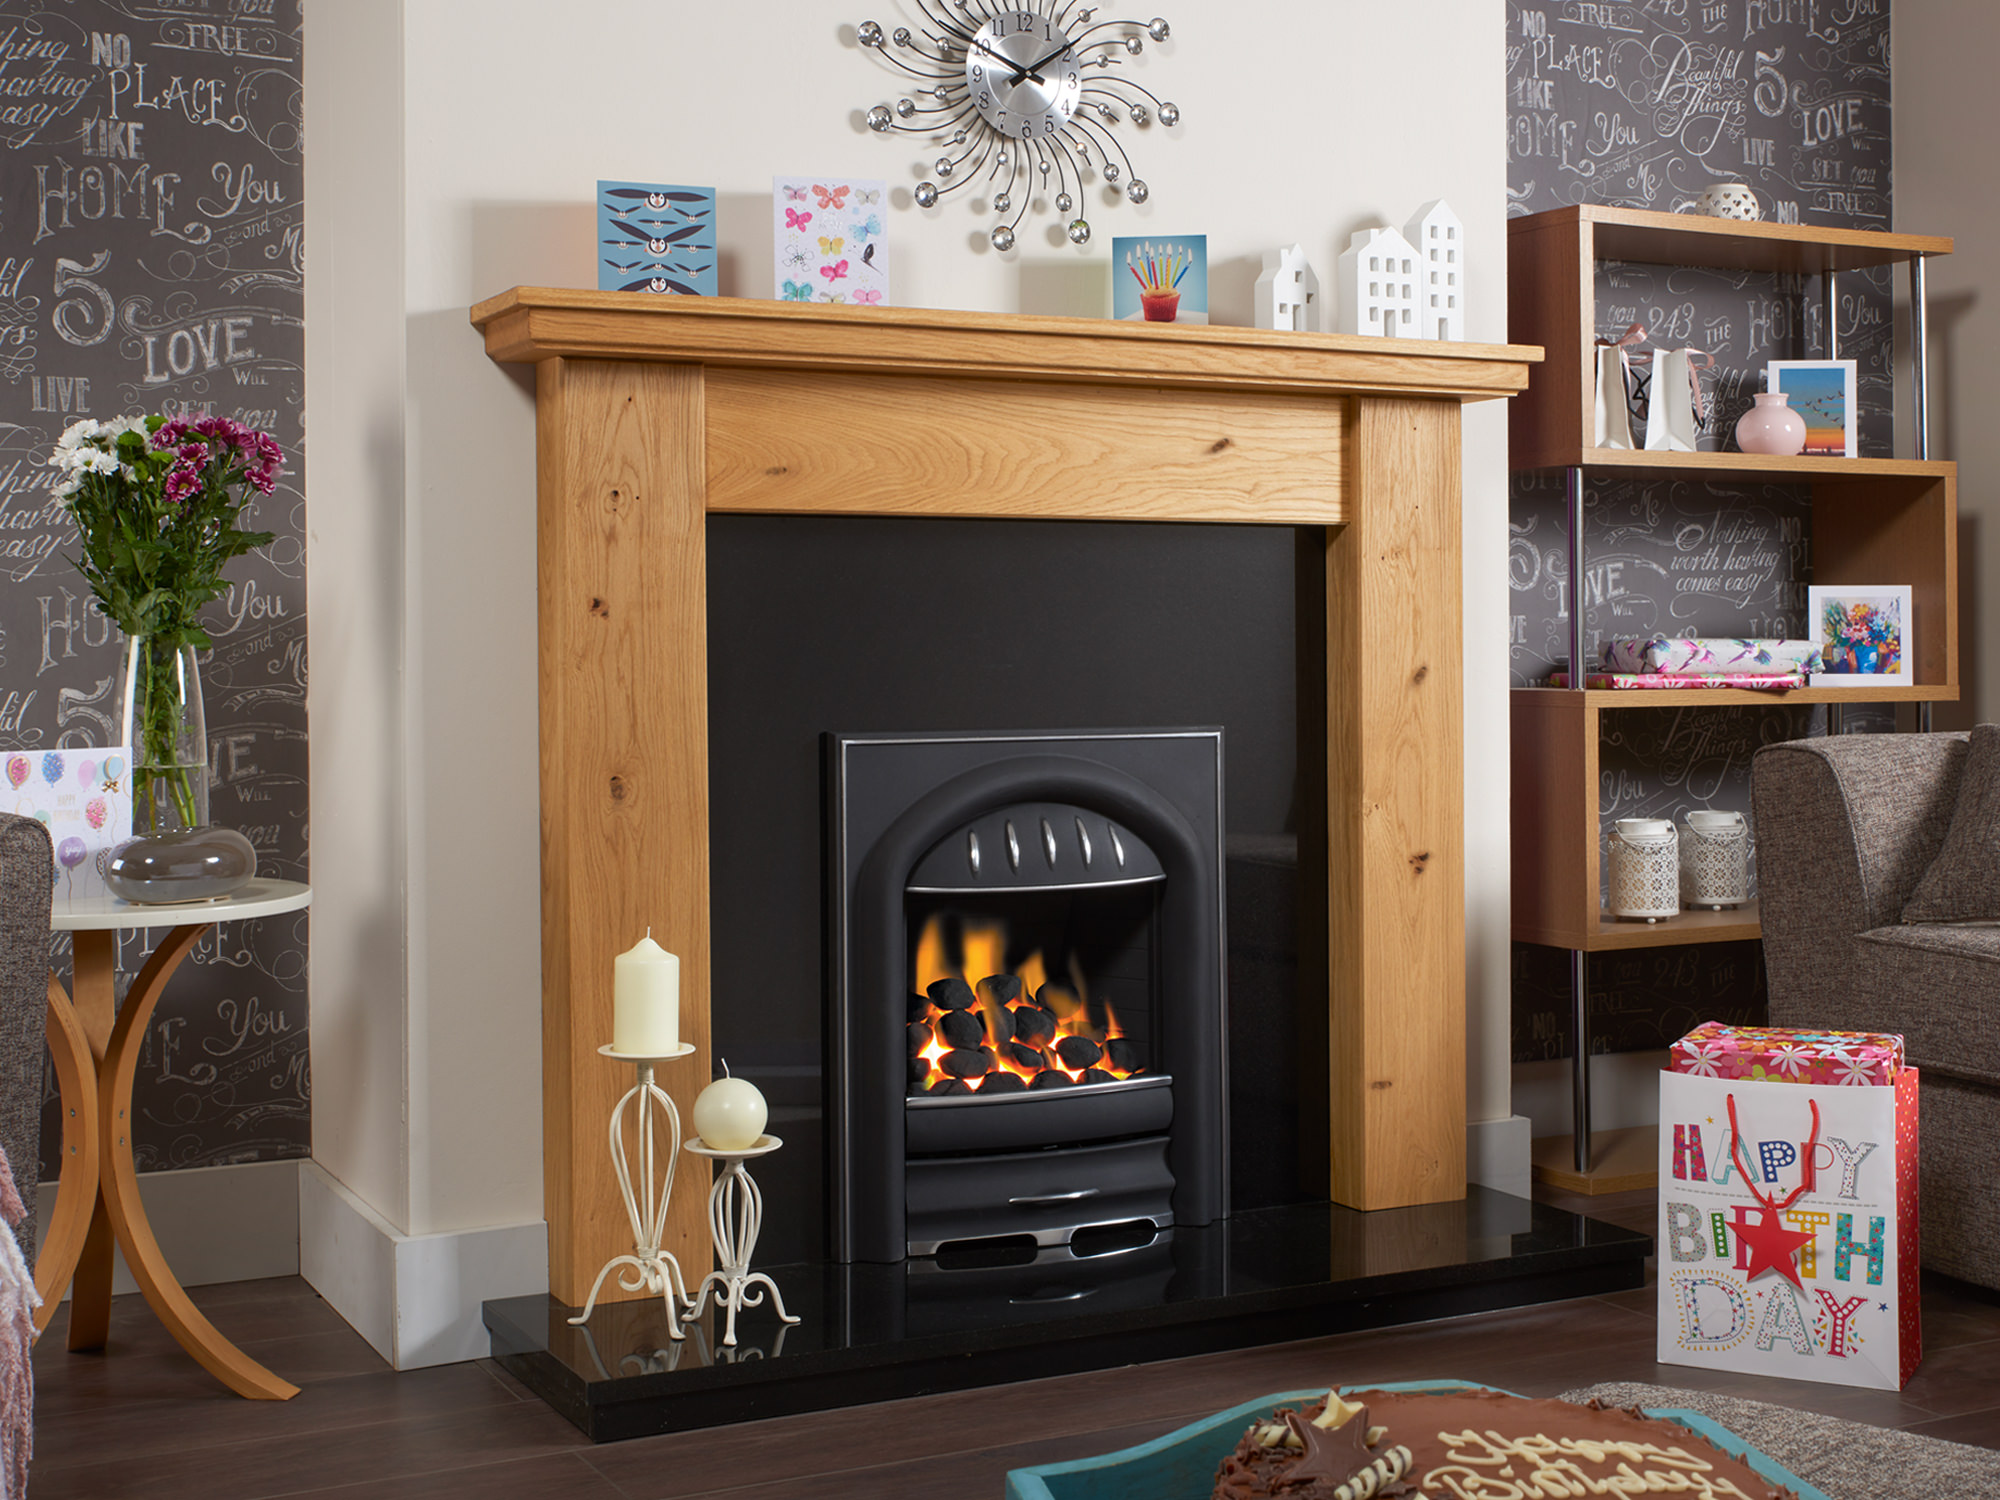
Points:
[(654, 411)]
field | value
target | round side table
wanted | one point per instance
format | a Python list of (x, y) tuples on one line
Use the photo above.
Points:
[(95, 1044)]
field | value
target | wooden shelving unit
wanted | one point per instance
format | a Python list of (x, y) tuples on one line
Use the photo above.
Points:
[(1873, 521)]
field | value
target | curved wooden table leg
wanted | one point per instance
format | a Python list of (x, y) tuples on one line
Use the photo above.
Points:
[(76, 1084), (169, 1300)]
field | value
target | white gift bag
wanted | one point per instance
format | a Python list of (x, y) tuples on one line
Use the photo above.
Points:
[(1788, 1249), (1670, 424), (1614, 419)]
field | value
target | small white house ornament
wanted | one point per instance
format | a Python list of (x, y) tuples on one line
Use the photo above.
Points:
[(1288, 292), (1440, 240), (1379, 277)]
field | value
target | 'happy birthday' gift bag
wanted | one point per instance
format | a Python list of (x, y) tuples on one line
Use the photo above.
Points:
[(1788, 1205)]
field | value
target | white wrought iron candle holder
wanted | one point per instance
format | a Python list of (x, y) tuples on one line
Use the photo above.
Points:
[(1715, 859), (1645, 869), (735, 1216), (648, 1266)]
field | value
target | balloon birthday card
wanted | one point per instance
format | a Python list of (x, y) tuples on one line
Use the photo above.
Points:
[(84, 797)]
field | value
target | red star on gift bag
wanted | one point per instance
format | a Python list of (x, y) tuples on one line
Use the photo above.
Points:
[(1771, 1246)]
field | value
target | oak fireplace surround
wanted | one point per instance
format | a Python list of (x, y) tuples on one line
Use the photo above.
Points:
[(652, 412)]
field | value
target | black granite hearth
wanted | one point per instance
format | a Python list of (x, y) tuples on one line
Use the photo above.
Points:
[(878, 1332)]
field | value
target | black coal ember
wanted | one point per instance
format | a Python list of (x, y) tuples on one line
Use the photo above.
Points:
[(1026, 1056), (1004, 989), (1051, 1078), (1098, 1075), (1078, 1051), (919, 1008), (950, 1086), (966, 1062), (1003, 1082), (962, 1028), (1124, 1053), (920, 1037), (919, 1070), (952, 993), (1033, 1025)]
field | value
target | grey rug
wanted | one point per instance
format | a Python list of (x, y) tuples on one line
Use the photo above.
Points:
[(1848, 1460)]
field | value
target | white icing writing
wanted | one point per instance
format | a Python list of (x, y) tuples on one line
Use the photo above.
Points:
[(1482, 1466)]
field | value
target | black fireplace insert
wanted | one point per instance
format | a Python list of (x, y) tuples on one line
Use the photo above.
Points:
[(1026, 978)]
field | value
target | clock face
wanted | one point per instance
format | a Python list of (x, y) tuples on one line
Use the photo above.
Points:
[(1023, 75)]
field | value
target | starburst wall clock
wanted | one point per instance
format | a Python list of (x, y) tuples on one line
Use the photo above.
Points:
[(1024, 100)]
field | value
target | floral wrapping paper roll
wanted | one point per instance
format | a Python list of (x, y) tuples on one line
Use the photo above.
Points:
[(1714, 656)]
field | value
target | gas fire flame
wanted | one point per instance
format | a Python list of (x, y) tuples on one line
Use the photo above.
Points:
[(983, 947)]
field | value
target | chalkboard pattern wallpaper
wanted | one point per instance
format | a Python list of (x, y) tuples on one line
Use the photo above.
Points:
[(1643, 105), (151, 223)]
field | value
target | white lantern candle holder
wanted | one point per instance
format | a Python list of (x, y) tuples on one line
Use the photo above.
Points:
[(1645, 870), (648, 1267), (735, 1217), (1715, 859)]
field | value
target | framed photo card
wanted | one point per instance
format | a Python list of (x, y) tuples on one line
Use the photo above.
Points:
[(1863, 633), (1821, 391)]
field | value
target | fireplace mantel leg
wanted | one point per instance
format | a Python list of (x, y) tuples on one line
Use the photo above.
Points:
[(1395, 824)]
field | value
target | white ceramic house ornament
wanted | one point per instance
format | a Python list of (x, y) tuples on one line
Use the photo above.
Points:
[(1378, 285), (1440, 239), (1288, 292)]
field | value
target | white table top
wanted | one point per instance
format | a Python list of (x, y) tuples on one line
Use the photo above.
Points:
[(260, 898)]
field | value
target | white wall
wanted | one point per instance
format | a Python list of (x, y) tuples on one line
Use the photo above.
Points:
[(424, 571), (1947, 114)]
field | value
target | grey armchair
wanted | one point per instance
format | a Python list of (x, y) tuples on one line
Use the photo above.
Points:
[(1846, 827), (27, 886)]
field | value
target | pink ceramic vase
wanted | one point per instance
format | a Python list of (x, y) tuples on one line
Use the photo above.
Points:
[(1771, 426)]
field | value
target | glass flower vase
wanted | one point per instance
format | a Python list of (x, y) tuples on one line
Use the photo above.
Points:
[(161, 719)]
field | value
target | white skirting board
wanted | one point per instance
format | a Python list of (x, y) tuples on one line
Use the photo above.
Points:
[(416, 1298), (237, 1223), (1497, 1154)]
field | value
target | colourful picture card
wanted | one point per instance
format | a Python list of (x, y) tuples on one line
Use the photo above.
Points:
[(84, 797), (828, 240), (1160, 279), (1863, 632), (1823, 392), (656, 237)]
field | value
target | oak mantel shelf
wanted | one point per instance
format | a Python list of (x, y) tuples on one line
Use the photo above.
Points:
[(530, 324)]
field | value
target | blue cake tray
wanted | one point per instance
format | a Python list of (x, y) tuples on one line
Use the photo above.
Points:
[(1181, 1464)]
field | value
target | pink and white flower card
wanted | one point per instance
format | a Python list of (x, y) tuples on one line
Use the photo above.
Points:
[(84, 797), (829, 240)]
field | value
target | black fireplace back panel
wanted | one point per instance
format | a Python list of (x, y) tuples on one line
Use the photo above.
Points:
[(969, 625)]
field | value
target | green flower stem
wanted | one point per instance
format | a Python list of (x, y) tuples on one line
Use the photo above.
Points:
[(161, 715)]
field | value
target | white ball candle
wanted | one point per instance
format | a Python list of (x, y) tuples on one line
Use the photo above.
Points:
[(729, 1114), (646, 1000)]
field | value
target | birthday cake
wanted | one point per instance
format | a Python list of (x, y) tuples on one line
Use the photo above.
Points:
[(1476, 1445)]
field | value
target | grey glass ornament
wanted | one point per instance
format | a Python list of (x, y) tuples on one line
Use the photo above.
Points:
[(1002, 202), (1079, 231), (944, 166), (1139, 114), (878, 117), (941, 94), (1000, 160), (1111, 171), (1158, 29), (1003, 238), (1135, 45), (869, 34), (1137, 190), (906, 107), (1064, 203), (926, 195), (1170, 113), (958, 137), (902, 36), (190, 864)]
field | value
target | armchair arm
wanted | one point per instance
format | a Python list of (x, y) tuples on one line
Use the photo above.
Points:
[(27, 885), (1846, 827)]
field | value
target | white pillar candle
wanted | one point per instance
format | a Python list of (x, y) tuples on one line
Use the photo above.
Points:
[(729, 1114), (646, 1000)]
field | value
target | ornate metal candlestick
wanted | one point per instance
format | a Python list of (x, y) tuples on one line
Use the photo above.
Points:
[(649, 1266), (735, 1215)]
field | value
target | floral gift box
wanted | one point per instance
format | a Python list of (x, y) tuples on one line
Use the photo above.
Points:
[(1783, 1054)]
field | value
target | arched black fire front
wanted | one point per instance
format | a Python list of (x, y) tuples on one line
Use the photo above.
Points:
[(1034, 1106)]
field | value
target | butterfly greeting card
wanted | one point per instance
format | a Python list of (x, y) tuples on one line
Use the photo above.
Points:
[(83, 798), (828, 245), (654, 237)]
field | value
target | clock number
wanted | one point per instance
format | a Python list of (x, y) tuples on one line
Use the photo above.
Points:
[(978, 73), (1027, 129), (985, 99)]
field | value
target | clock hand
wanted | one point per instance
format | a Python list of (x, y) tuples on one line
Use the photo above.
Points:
[(1034, 69), (1001, 57)]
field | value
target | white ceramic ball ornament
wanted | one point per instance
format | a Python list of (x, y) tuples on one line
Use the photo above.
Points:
[(729, 1114)]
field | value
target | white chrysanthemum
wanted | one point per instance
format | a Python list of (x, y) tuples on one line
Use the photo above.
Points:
[(127, 473), (67, 488), (79, 432), (97, 461), (118, 426)]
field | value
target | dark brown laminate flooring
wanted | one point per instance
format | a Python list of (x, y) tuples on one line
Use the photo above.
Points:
[(144, 1420)]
